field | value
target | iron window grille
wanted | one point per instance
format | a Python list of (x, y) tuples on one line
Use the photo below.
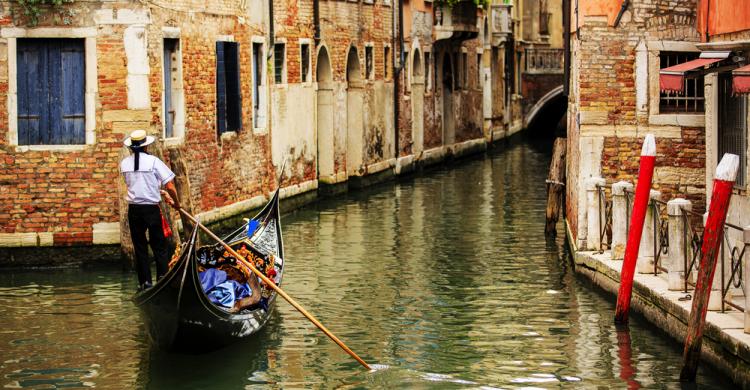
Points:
[(732, 132), (368, 63), (279, 57), (692, 101), (305, 62)]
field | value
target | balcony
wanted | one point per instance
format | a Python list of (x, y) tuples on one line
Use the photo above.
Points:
[(457, 23), (544, 61), (502, 23)]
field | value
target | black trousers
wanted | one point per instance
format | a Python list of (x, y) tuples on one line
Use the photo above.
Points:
[(144, 218)]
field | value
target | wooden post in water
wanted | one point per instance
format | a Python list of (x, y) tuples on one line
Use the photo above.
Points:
[(182, 183), (640, 204), (555, 186), (726, 173)]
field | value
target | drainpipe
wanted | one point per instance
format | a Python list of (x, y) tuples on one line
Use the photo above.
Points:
[(316, 21), (566, 43), (625, 4), (708, 10), (271, 38)]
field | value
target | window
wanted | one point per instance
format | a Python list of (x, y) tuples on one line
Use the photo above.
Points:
[(228, 98), (732, 131), (427, 74), (479, 71), (465, 70), (259, 91), (692, 101), (386, 58), (305, 62), (369, 73), (279, 63), (517, 73), (51, 87), (173, 92)]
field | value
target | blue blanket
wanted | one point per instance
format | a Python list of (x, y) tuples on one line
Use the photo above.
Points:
[(220, 290)]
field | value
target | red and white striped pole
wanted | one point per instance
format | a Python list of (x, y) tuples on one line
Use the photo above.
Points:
[(726, 173), (640, 206)]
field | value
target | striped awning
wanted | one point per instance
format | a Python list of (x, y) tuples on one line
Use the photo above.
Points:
[(672, 79), (741, 80)]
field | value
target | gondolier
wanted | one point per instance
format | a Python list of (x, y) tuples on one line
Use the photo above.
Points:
[(145, 175)]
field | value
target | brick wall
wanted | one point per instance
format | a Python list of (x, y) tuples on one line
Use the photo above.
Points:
[(606, 128)]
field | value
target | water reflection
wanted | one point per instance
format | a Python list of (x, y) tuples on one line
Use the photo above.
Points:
[(445, 281)]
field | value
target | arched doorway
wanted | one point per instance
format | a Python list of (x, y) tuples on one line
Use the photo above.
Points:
[(354, 114), (449, 130), (417, 106), (324, 78)]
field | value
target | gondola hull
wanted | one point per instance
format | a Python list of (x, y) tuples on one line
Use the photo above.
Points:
[(179, 316)]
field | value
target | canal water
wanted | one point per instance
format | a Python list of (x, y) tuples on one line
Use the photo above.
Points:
[(444, 280)]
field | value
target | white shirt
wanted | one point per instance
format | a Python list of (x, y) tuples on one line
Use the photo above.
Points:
[(144, 184)]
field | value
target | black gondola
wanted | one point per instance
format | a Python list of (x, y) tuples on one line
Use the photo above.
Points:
[(178, 314)]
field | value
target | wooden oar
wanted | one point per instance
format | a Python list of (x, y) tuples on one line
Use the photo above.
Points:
[(281, 292)]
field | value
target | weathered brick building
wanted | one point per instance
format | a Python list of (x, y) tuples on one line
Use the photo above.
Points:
[(615, 100), (235, 90)]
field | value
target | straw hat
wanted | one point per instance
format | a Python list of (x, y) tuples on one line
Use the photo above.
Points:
[(139, 138)]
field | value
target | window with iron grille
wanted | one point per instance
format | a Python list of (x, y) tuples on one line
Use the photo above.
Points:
[(732, 132), (369, 74), (305, 61), (692, 101), (386, 64), (279, 63)]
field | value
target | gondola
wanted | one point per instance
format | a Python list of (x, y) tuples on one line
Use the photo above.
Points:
[(178, 314)]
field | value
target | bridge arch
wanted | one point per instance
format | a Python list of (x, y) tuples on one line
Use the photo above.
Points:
[(547, 111)]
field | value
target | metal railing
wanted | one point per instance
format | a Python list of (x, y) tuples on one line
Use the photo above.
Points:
[(605, 218), (731, 255), (661, 233)]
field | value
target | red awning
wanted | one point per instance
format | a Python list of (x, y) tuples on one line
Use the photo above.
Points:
[(673, 77), (741, 80)]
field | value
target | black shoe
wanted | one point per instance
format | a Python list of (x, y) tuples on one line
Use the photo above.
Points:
[(144, 287)]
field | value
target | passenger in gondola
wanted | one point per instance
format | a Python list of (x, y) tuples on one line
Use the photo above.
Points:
[(227, 283), (145, 176)]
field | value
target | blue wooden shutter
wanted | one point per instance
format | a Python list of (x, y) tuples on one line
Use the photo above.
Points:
[(51, 86), (234, 97), (71, 110), (169, 48), (32, 93), (221, 91)]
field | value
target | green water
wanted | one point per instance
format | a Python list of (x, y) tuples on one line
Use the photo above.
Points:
[(445, 280)]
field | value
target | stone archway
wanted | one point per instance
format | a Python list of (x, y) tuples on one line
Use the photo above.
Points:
[(324, 79), (354, 113), (417, 104), (449, 129)]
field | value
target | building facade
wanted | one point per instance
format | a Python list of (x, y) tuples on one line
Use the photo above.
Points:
[(333, 91), (615, 99)]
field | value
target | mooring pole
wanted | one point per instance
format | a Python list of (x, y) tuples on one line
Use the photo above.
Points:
[(640, 206), (555, 186), (726, 173)]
